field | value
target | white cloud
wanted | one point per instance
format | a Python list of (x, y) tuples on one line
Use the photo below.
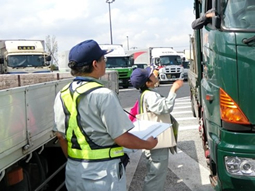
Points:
[(145, 22)]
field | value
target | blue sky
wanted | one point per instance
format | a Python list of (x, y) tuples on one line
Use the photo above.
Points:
[(147, 23)]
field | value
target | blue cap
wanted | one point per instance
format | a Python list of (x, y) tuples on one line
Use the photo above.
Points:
[(140, 76), (86, 52)]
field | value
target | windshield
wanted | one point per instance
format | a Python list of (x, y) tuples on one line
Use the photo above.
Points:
[(239, 14), (113, 62), (170, 60), (141, 66), (25, 61)]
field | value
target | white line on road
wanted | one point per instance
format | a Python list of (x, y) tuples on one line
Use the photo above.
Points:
[(187, 98), (182, 107), (180, 112), (182, 128), (182, 103), (185, 118), (182, 100), (183, 165)]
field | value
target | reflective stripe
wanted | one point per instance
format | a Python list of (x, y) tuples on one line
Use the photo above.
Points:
[(79, 144), (141, 101)]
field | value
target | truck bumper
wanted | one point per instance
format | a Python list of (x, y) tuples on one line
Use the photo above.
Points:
[(237, 146), (124, 82)]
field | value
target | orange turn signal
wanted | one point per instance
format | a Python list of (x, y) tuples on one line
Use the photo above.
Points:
[(230, 111)]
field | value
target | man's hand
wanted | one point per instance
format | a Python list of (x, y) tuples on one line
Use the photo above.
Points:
[(210, 15), (62, 142), (130, 141)]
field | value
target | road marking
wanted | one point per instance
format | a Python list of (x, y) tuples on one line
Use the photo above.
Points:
[(128, 89), (182, 107), (180, 112), (183, 165), (184, 118), (182, 103), (183, 98), (189, 127)]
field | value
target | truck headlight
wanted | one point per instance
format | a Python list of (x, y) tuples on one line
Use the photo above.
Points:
[(163, 77), (240, 166)]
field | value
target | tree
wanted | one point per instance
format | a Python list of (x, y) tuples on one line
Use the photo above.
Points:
[(52, 48)]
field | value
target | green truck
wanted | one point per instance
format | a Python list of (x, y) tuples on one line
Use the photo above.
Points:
[(222, 91), (119, 61)]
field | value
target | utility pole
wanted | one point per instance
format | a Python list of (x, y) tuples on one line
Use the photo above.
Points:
[(127, 43), (109, 3)]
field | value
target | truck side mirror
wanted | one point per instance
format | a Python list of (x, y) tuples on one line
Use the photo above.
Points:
[(132, 61), (48, 58), (157, 60)]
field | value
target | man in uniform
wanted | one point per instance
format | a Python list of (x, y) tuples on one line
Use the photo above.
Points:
[(91, 126)]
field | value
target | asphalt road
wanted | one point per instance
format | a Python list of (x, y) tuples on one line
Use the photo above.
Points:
[(187, 170)]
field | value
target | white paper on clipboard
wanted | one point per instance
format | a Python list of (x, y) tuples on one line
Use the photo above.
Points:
[(144, 129)]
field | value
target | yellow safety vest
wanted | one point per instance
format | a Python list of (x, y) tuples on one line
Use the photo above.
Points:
[(80, 146), (141, 101)]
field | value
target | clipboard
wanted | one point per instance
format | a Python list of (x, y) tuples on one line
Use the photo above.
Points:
[(144, 129)]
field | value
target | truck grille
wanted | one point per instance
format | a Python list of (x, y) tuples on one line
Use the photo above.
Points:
[(173, 76), (172, 70), (123, 74)]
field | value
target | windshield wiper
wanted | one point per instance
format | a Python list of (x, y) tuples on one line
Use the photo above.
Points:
[(249, 40)]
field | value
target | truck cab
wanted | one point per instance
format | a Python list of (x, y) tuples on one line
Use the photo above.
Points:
[(119, 61), (222, 91), (168, 63), (23, 56)]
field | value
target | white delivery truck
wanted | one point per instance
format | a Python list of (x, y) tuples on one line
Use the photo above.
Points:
[(23, 56), (165, 59), (119, 61), (30, 156)]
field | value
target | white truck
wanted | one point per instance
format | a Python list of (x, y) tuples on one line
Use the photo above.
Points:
[(165, 59), (119, 61), (30, 157), (23, 56)]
